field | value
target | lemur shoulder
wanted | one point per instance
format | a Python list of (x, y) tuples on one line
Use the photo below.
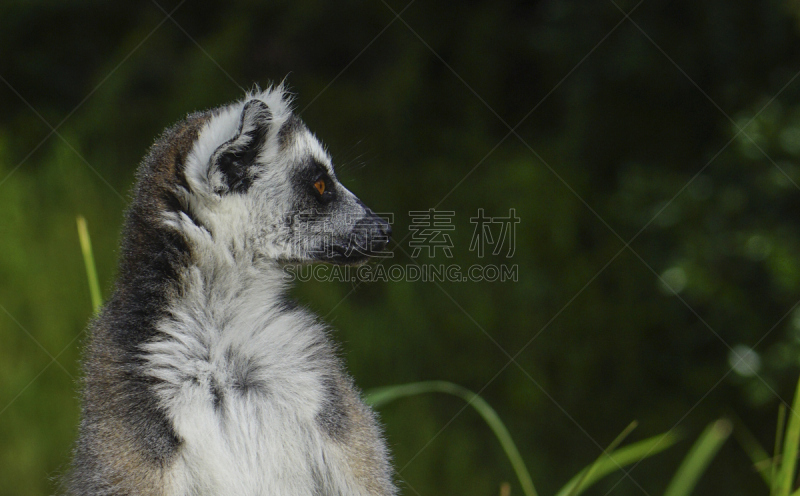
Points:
[(201, 377)]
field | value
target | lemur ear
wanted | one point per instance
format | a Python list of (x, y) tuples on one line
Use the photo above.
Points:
[(234, 158)]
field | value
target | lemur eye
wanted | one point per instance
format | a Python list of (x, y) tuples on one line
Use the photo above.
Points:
[(320, 186)]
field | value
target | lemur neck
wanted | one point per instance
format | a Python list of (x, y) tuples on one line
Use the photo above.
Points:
[(163, 271), (229, 276)]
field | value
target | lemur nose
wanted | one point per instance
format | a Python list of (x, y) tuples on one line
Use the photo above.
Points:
[(384, 227), (376, 230)]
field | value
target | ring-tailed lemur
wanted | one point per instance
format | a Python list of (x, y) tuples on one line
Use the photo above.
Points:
[(201, 378)]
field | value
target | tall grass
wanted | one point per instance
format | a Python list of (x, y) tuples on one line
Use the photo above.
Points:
[(780, 471), (612, 459), (699, 457), (88, 261), (381, 396)]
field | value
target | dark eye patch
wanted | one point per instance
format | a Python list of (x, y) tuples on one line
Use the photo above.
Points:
[(318, 170), (316, 173)]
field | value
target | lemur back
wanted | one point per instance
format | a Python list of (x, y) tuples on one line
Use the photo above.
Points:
[(201, 377)]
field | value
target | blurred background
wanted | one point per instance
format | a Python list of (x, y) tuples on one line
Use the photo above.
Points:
[(651, 151)]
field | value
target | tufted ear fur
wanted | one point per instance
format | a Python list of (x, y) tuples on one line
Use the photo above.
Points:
[(233, 160)]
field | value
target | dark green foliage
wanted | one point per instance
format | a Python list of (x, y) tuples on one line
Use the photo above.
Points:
[(636, 141)]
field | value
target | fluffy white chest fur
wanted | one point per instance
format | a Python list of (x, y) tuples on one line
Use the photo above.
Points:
[(242, 378)]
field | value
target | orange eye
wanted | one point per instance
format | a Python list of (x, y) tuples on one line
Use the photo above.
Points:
[(320, 186)]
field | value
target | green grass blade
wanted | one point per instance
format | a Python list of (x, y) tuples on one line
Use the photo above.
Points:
[(699, 457), (617, 459), (757, 454), (384, 395), (790, 446), (778, 446), (88, 261), (585, 474)]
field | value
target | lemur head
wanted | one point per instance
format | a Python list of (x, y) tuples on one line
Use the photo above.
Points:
[(259, 182)]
